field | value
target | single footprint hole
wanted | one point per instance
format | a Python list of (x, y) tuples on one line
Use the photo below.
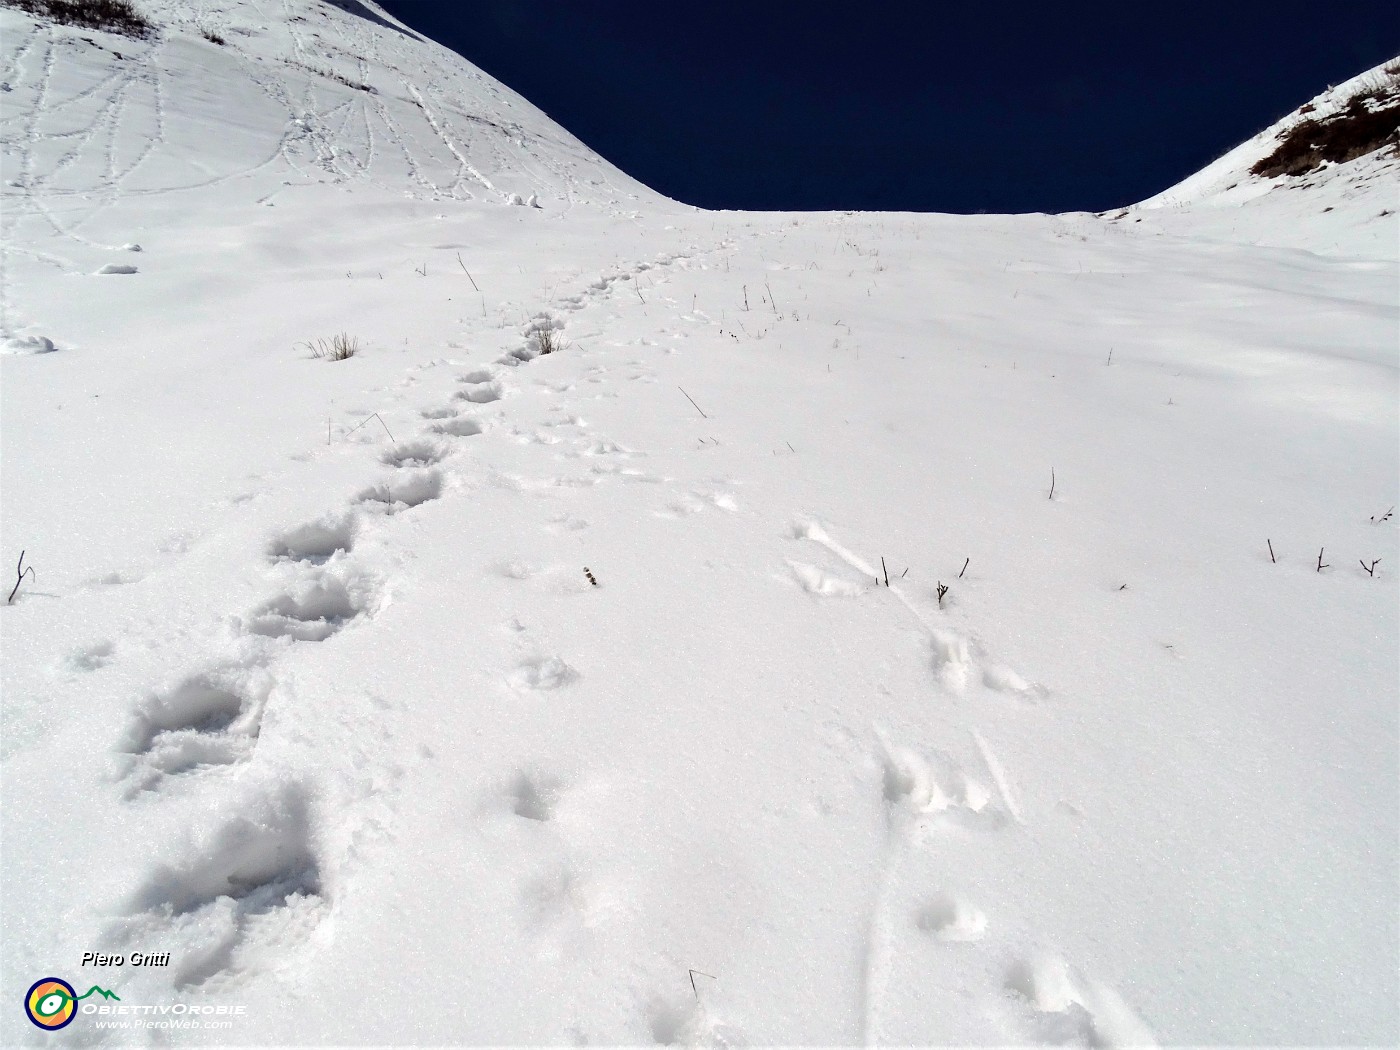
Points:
[(460, 427), (534, 796), (408, 490), (312, 613), (315, 542), (480, 395), (543, 673), (951, 919), (414, 454), (91, 657)]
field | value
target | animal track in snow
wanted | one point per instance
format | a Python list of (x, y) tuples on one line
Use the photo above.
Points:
[(445, 412), (542, 674), (534, 796), (409, 489), (91, 657), (684, 1022), (951, 918), (482, 394), (480, 375), (251, 888), (951, 659), (316, 542), (560, 904), (952, 656), (420, 453), (209, 719), (824, 584), (312, 609), (461, 426), (919, 784), (1070, 1009)]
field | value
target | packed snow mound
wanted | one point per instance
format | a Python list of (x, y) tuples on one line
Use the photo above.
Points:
[(188, 96)]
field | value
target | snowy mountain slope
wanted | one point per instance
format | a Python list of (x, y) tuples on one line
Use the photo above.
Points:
[(1331, 205), (315, 689)]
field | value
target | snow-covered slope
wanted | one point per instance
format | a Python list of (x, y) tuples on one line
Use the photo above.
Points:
[(456, 693), (1329, 201)]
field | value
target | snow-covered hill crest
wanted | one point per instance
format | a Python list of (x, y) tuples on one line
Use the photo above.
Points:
[(272, 94), (1322, 178)]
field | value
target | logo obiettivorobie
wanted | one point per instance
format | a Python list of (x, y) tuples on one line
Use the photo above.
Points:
[(51, 1003)]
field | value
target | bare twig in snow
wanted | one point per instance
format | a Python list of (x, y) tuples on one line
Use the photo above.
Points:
[(20, 573), (692, 981), (466, 271), (692, 401), (372, 415)]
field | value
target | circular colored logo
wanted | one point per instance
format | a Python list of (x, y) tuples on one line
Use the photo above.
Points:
[(51, 1003)]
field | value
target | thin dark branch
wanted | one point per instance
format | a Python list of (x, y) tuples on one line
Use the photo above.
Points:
[(372, 415), (1271, 551), (20, 573), (702, 973), (1052, 482), (966, 563), (884, 570), (692, 401), (466, 271)]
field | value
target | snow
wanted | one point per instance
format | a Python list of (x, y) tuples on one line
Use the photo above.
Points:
[(460, 693)]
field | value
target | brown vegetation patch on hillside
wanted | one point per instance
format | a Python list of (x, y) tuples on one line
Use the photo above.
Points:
[(1370, 122), (115, 16)]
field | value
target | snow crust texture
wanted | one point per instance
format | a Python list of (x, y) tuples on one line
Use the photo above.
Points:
[(671, 627)]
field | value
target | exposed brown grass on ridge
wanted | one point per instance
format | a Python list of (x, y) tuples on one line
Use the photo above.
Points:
[(1370, 122), (115, 16)]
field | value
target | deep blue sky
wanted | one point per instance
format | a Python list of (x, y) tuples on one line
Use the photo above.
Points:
[(929, 106)]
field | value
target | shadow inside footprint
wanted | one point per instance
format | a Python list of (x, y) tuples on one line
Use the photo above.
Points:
[(543, 673), (311, 612), (316, 542), (408, 490), (534, 796), (209, 719), (482, 394), (255, 874), (414, 454), (462, 426)]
